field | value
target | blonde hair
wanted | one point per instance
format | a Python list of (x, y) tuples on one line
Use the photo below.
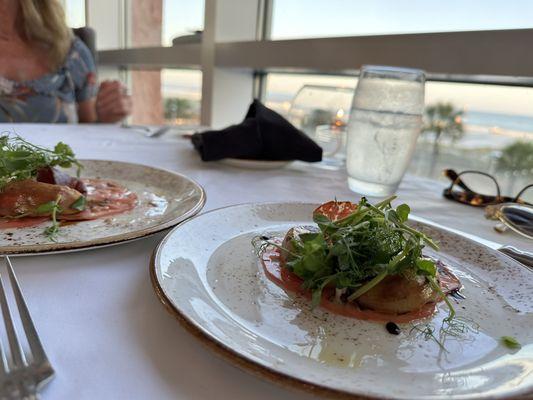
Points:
[(43, 22)]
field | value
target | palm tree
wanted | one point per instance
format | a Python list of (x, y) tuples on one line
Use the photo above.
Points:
[(517, 156), (443, 120), (177, 108)]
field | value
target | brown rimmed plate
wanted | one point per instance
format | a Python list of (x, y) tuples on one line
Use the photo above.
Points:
[(206, 274), (165, 198)]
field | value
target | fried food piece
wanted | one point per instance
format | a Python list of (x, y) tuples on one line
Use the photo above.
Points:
[(22, 198), (398, 294)]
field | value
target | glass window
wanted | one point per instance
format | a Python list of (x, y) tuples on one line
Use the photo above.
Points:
[(108, 19), (182, 94), (495, 134), (75, 13), (181, 17), (158, 22), (326, 18), (166, 96)]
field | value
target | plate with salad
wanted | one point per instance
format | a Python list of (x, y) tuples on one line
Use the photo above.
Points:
[(52, 202), (351, 300)]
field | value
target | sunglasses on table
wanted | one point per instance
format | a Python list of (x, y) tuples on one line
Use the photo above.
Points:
[(480, 189)]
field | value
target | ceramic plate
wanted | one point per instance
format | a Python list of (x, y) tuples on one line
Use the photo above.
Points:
[(211, 281), (165, 198), (254, 164)]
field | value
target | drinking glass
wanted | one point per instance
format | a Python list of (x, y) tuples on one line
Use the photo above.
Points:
[(322, 113), (385, 121)]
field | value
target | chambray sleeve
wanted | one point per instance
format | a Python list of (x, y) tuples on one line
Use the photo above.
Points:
[(83, 71)]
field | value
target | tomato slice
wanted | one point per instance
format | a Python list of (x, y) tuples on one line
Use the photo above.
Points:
[(335, 210)]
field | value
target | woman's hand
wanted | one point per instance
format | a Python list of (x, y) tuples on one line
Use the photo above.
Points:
[(112, 102)]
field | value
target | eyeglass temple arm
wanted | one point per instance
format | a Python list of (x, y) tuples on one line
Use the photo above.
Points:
[(456, 180), (522, 192)]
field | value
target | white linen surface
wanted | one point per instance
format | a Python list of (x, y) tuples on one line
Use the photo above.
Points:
[(106, 333)]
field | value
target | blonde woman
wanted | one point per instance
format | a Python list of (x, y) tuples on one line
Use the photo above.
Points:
[(47, 74)]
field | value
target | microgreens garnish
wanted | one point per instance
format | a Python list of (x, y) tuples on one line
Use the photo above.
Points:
[(79, 204), (53, 208), (511, 342), (20, 159), (355, 253), (453, 326), (360, 250)]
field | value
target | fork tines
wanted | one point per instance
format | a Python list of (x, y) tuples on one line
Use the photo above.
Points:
[(20, 377)]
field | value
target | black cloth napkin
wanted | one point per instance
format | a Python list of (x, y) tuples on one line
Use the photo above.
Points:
[(263, 135)]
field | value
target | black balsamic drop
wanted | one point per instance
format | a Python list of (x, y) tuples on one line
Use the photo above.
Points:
[(392, 328)]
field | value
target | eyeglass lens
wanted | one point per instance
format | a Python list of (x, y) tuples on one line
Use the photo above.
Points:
[(469, 184), (527, 195), (519, 217)]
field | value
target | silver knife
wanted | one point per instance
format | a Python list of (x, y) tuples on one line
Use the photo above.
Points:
[(159, 132), (524, 257)]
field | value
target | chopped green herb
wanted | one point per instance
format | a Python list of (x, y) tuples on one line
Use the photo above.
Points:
[(426, 267), (79, 204), (46, 208), (403, 211), (510, 342)]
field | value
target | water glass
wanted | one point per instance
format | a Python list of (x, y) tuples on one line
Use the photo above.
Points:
[(332, 139), (385, 121), (322, 112)]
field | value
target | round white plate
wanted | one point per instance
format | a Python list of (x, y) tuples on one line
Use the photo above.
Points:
[(254, 164), (206, 274), (165, 199)]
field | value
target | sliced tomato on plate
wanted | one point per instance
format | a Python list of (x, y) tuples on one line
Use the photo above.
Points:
[(336, 210)]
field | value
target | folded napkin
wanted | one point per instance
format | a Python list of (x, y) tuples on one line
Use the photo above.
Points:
[(263, 135)]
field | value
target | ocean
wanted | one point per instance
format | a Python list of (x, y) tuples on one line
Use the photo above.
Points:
[(520, 123)]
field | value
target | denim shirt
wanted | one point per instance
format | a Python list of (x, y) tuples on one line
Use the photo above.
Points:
[(52, 97)]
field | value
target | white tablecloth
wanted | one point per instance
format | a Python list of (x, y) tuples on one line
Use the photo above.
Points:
[(104, 330)]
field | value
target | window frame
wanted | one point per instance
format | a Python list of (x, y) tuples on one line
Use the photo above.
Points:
[(500, 57)]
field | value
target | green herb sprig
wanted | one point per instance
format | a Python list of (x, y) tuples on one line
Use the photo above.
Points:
[(511, 342), (53, 208), (20, 159), (360, 250), (453, 326), (356, 253)]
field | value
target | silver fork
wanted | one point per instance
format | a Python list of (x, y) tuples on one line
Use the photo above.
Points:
[(20, 377)]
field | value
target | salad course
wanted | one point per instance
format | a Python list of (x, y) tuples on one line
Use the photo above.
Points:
[(362, 261), (33, 189)]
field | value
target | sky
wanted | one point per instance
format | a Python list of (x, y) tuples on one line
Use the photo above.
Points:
[(75, 12), (181, 17), (315, 18), (306, 18)]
